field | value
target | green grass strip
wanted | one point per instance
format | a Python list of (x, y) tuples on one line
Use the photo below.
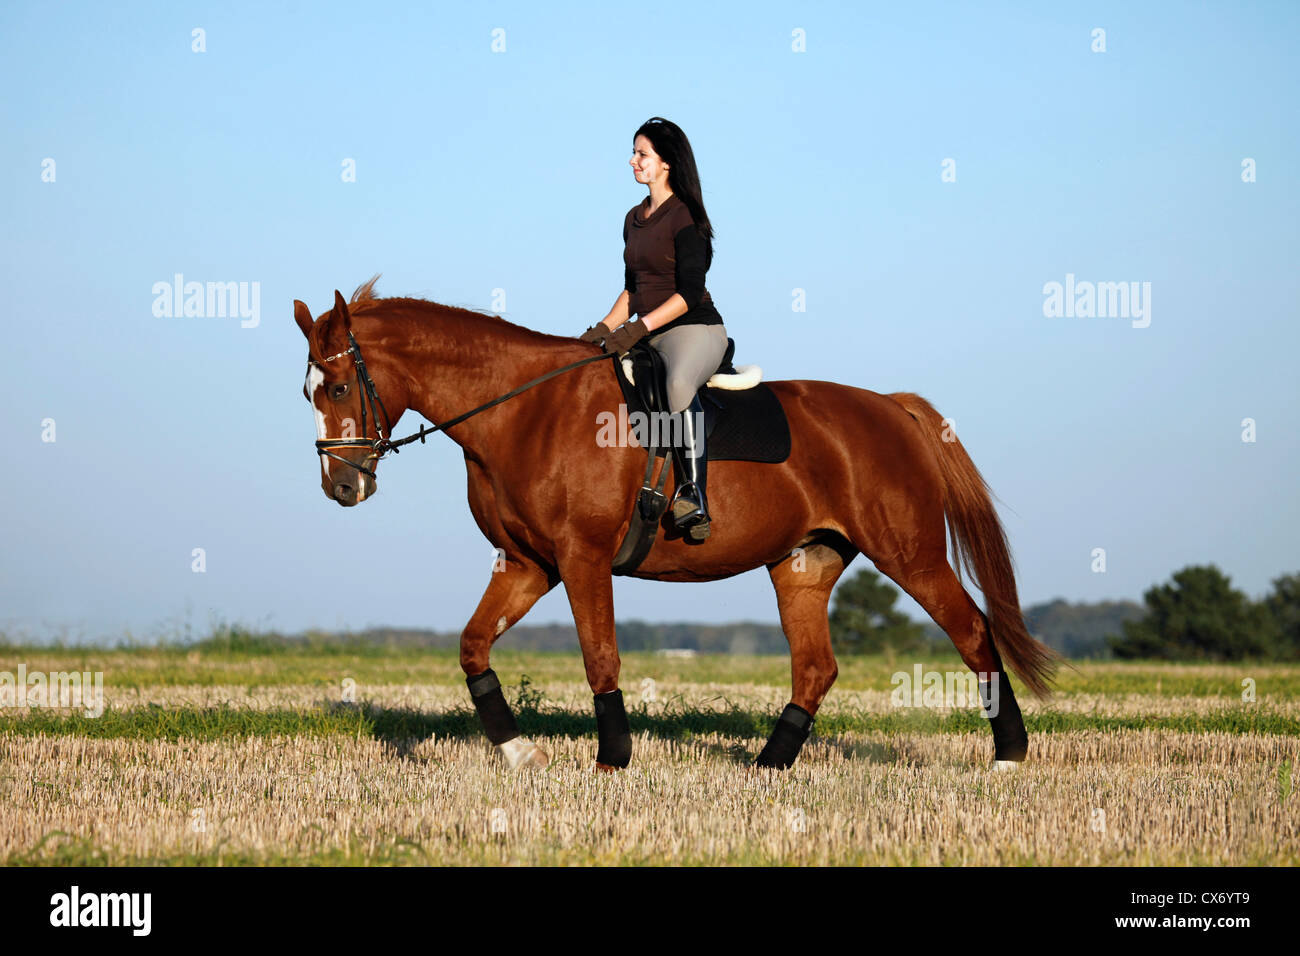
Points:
[(207, 723), (680, 723)]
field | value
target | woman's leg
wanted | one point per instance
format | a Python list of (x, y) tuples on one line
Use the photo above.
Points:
[(691, 355)]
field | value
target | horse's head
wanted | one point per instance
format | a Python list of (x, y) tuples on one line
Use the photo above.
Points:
[(357, 400)]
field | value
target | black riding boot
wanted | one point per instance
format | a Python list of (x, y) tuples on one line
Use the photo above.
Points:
[(690, 507)]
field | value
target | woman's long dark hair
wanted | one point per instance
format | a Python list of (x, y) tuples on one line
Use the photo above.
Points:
[(674, 149)]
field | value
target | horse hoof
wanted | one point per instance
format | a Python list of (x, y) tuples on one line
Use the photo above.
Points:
[(522, 753), (1006, 765), (607, 768)]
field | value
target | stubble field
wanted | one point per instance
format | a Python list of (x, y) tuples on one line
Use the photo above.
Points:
[(375, 757)]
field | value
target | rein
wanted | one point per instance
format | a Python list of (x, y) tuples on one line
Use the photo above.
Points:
[(380, 445)]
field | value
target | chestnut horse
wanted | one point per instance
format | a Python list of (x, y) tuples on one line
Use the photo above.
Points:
[(867, 473)]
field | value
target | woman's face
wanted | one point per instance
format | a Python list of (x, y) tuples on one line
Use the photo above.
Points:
[(646, 164)]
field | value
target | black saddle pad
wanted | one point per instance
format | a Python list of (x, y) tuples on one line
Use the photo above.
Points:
[(744, 425), (751, 425)]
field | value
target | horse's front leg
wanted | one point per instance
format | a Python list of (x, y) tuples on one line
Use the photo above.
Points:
[(513, 590), (591, 596)]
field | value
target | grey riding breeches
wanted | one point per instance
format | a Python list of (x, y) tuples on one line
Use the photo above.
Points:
[(691, 355)]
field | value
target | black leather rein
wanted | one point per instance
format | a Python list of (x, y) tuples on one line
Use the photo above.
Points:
[(380, 445)]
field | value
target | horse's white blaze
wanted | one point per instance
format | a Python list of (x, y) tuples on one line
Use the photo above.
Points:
[(315, 379), (522, 752)]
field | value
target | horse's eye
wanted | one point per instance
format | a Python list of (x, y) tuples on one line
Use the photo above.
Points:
[(338, 391)]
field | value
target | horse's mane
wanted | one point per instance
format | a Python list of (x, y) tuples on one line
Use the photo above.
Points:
[(364, 301)]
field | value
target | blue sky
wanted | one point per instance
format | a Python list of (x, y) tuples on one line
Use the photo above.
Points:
[(479, 170)]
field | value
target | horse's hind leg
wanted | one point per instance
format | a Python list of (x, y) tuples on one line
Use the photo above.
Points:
[(804, 581), (514, 589), (924, 573), (941, 594)]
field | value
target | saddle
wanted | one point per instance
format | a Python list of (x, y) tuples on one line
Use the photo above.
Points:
[(743, 421), (743, 418)]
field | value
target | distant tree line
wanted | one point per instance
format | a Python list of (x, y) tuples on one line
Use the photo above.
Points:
[(744, 637), (1197, 616)]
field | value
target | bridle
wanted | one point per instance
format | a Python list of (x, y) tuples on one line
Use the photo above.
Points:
[(370, 401)]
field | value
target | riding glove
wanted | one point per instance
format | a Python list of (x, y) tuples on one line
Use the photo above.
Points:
[(625, 336)]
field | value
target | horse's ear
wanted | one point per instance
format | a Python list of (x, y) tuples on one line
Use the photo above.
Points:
[(302, 315), (341, 314)]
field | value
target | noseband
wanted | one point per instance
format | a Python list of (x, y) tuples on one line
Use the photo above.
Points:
[(372, 405)]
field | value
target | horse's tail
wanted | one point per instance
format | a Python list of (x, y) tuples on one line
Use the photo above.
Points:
[(980, 542)]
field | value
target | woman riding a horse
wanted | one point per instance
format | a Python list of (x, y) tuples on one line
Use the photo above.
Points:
[(668, 247)]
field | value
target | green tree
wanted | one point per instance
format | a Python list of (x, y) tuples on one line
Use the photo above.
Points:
[(864, 620), (1199, 616), (1283, 607)]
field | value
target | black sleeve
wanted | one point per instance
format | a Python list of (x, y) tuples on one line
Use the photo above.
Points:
[(692, 252), (629, 280)]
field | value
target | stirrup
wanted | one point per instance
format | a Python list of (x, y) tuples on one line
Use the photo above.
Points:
[(688, 514)]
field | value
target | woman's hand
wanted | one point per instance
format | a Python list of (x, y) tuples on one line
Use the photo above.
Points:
[(625, 336), (596, 334)]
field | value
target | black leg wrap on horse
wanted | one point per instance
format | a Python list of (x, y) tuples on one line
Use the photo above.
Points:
[(498, 722), (1010, 739), (792, 729), (613, 730)]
